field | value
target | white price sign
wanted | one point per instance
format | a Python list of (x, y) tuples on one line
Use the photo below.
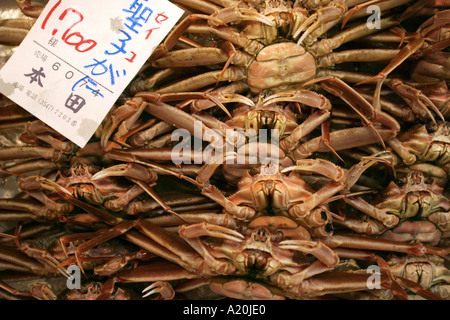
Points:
[(79, 57)]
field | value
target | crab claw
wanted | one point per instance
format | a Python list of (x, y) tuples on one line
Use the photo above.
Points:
[(307, 97), (316, 248), (163, 288), (219, 98), (129, 170), (207, 229)]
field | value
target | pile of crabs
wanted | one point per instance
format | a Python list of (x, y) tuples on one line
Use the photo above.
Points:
[(312, 162)]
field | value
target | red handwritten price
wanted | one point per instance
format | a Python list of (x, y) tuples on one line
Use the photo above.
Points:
[(75, 39)]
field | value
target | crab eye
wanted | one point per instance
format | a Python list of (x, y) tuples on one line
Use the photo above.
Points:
[(430, 129), (278, 236), (329, 228), (399, 182), (428, 181)]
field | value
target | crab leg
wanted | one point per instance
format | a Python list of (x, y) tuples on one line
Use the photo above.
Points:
[(9, 153), (136, 156), (13, 291), (217, 97), (309, 98), (357, 55), (339, 88), (384, 5), (184, 254), (28, 9), (334, 282), (321, 251), (12, 36), (416, 99), (148, 83), (199, 57), (180, 119), (328, 45), (366, 243), (240, 212), (231, 14), (32, 165), (319, 22), (126, 115), (100, 214), (22, 260), (33, 185), (140, 138), (176, 32), (340, 180), (215, 22), (205, 79), (25, 206), (103, 236), (404, 53), (388, 220), (160, 271), (397, 110)]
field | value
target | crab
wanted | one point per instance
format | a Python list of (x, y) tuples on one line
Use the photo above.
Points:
[(416, 209)]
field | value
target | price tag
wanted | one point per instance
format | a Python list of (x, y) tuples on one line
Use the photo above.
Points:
[(79, 57)]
